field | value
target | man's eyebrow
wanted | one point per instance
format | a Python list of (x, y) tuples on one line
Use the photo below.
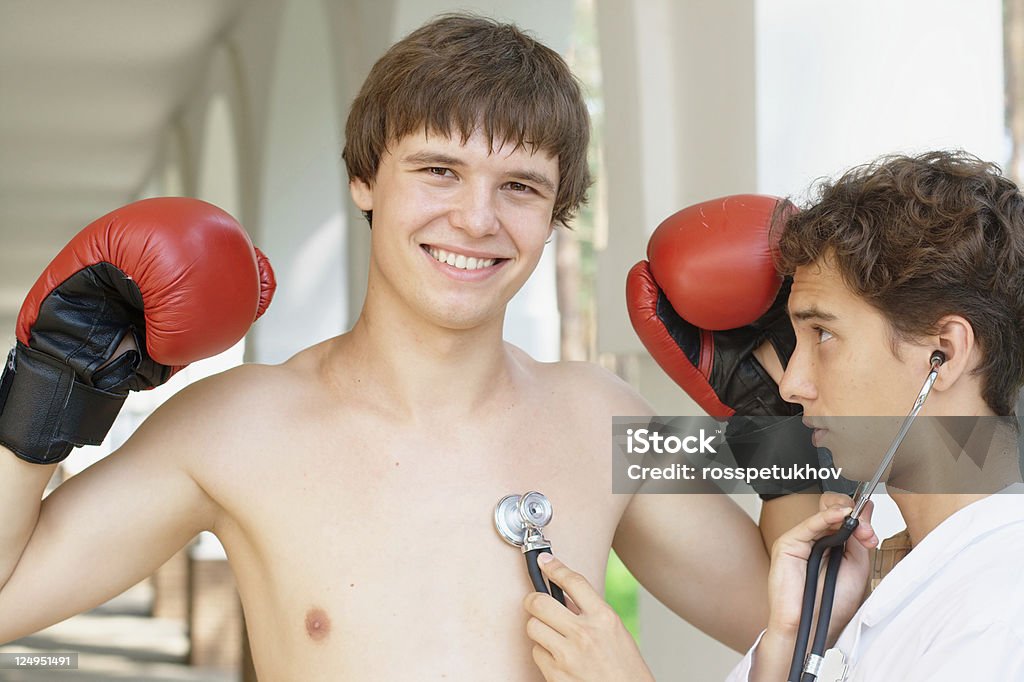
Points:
[(432, 159), (811, 313)]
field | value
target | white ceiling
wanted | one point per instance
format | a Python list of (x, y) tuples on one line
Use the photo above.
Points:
[(87, 89)]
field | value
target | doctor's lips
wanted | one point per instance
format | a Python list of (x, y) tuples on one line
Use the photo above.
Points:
[(817, 431), (463, 260)]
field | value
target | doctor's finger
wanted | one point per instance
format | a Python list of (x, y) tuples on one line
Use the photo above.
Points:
[(865, 532), (545, 662), (544, 608), (834, 499), (541, 633), (811, 529), (572, 583)]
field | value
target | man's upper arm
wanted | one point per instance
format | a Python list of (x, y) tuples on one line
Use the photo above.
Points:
[(116, 522), (785, 513), (702, 556)]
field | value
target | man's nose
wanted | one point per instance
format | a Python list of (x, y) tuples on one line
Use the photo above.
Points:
[(797, 384), (475, 212)]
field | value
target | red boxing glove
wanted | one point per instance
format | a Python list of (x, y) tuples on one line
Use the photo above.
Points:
[(714, 261), (177, 273), (708, 298)]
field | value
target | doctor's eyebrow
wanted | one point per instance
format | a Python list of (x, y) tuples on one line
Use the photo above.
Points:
[(811, 313)]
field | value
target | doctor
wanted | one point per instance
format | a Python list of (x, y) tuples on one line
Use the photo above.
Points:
[(897, 259)]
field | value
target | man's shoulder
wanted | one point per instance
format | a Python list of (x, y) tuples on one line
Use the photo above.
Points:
[(590, 384), (237, 400)]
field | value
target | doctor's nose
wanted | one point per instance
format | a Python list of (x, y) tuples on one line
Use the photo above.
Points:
[(797, 383), (475, 212)]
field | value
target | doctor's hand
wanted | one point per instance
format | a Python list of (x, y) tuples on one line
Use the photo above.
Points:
[(592, 645), (788, 573)]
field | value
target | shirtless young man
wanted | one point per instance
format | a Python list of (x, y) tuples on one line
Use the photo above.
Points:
[(353, 485)]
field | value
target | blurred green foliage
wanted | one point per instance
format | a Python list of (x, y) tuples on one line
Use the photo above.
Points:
[(621, 592)]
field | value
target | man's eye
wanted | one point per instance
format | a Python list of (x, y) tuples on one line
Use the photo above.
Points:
[(438, 171), (823, 334), (519, 187)]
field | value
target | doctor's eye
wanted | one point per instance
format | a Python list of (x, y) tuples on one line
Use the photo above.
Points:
[(439, 171), (823, 334)]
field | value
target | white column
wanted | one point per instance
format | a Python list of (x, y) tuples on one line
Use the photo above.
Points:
[(302, 224)]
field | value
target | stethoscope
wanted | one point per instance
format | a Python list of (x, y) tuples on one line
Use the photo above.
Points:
[(810, 665), (520, 519)]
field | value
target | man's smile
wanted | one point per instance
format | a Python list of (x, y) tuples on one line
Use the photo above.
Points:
[(464, 264)]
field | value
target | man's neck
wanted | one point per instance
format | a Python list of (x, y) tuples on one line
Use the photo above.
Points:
[(419, 368)]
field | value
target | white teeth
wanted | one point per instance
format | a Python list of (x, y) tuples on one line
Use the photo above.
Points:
[(460, 261)]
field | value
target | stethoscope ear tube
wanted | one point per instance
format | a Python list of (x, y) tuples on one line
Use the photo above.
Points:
[(537, 577)]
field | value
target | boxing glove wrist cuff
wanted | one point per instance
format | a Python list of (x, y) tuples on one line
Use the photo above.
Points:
[(45, 411)]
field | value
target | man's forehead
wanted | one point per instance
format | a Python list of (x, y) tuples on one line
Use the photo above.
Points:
[(819, 292), (477, 143)]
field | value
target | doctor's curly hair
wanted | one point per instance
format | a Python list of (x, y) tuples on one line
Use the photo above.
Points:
[(921, 237)]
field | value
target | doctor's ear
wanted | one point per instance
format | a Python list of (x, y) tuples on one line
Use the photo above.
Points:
[(955, 340)]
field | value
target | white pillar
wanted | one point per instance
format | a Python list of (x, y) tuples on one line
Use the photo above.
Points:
[(302, 222)]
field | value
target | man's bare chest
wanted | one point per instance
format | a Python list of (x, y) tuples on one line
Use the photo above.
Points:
[(373, 533), (326, 498)]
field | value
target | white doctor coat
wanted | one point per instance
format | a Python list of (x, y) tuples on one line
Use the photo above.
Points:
[(952, 610)]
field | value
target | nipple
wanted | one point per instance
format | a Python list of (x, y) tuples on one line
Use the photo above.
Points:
[(318, 624)]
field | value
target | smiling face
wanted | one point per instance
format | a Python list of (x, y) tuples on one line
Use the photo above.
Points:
[(457, 228)]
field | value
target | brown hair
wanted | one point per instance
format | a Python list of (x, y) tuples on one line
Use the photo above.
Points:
[(459, 72), (923, 237)]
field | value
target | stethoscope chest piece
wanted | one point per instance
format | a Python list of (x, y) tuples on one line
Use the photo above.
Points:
[(519, 518)]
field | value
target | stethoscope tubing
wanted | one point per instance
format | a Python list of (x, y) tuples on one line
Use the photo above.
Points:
[(837, 543)]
